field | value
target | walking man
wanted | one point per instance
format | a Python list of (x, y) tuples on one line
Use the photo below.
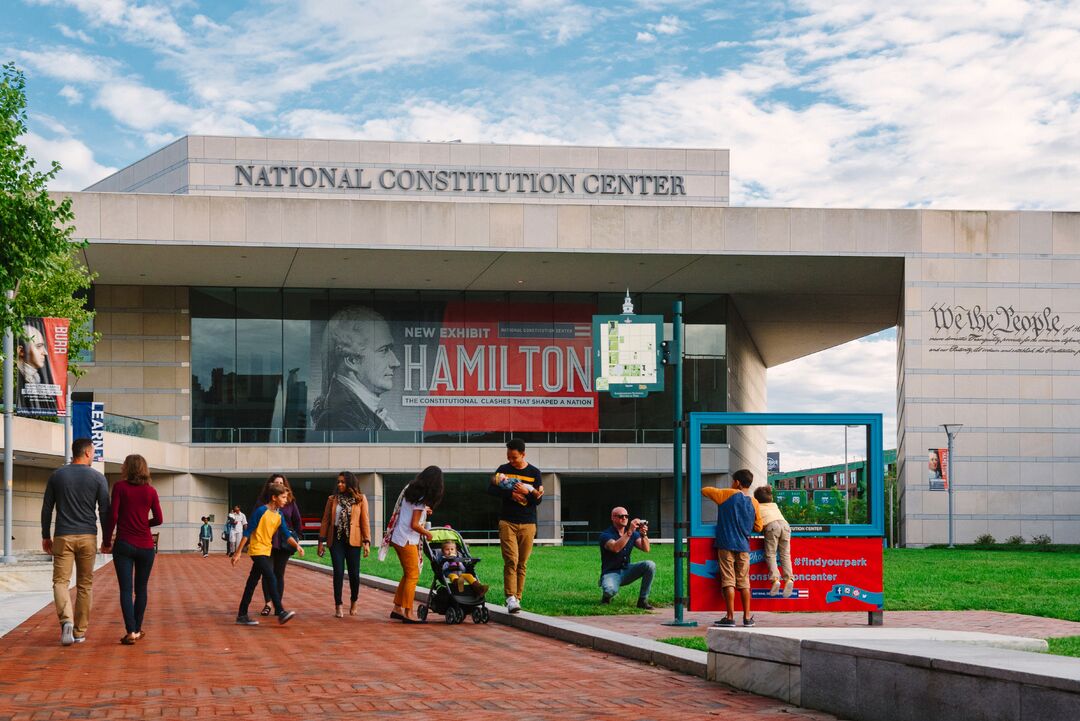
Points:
[(520, 486), (235, 527), (74, 491)]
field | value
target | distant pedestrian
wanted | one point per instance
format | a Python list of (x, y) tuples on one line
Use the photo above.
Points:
[(281, 550), (74, 490), (737, 516), (419, 499), (206, 534), (521, 487), (133, 501), (235, 529), (346, 527), (265, 523)]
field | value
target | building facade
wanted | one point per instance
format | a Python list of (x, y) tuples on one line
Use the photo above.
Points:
[(312, 306)]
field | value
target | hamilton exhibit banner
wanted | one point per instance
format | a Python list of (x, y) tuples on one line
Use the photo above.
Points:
[(43, 361), (455, 366)]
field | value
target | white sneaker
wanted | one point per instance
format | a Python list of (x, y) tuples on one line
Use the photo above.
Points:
[(775, 590), (67, 636), (512, 604)]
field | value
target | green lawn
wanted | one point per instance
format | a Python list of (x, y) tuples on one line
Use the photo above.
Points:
[(562, 581), (1013, 581), (695, 642), (1066, 646)]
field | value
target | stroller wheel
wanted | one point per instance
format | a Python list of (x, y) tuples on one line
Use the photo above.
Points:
[(421, 612), (479, 615), (454, 615), (485, 615)]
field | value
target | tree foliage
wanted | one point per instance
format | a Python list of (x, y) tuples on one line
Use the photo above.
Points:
[(37, 254)]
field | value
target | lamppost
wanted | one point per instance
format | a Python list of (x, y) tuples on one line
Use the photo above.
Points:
[(9, 451), (951, 429), (847, 496)]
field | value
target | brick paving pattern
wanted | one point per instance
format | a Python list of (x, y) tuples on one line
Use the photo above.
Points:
[(196, 663), (1010, 624)]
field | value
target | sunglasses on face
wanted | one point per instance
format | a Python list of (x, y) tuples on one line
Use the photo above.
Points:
[(622, 515)]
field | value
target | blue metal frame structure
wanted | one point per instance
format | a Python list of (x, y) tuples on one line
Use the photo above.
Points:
[(875, 470)]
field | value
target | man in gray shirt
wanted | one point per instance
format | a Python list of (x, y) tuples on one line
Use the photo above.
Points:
[(74, 490)]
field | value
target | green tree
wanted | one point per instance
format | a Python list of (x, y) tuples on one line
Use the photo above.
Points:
[(37, 254)]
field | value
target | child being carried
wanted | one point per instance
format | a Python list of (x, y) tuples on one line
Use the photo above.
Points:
[(777, 537), (456, 572)]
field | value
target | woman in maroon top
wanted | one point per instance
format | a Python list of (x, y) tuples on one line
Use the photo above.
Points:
[(134, 500)]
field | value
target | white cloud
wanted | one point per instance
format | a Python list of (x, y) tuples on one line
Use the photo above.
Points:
[(70, 94), (643, 37), (856, 377), (68, 65), (73, 34), (668, 25), (147, 23), (79, 169)]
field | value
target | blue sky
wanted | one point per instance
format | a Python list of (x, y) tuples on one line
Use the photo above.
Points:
[(856, 103)]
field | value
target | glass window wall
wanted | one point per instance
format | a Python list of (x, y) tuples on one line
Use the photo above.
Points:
[(360, 366)]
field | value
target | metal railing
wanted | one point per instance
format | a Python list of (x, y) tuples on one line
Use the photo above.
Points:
[(131, 426), (625, 436)]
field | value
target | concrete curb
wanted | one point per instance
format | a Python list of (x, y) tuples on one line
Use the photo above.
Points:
[(675, 658)]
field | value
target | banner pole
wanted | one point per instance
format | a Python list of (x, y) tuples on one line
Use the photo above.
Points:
[(67, 428), (9, 451), (676, 357)]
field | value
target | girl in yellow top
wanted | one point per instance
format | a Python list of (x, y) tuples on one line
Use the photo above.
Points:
[(777, 537), (259, 539)]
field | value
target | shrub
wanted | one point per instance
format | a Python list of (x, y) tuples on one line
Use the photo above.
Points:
[(985, 540), (1014, 541), (1041, 540)]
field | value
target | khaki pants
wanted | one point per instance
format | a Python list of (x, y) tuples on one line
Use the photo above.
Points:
[(516, 540), (80, 551), (778, 536)]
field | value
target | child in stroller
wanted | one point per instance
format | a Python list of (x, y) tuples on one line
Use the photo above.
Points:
[(451, 568)]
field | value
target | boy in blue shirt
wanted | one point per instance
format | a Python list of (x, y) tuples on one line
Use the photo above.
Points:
[(259, 538), (737, 516)]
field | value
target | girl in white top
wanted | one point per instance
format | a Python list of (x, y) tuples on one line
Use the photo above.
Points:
[(421, 497)]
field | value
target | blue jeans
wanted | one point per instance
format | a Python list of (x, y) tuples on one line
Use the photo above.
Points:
[(612, 582), (132, 566)]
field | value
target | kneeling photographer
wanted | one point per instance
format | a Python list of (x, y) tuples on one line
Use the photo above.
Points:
[(616, 545)]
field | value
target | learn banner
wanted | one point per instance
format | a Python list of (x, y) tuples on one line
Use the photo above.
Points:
[(831, 574), (88, 421), (43, 363)]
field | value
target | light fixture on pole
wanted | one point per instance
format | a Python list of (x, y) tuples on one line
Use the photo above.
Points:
[(847, 497), (951, 429)]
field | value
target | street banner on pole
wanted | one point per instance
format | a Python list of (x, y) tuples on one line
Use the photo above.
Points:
[(43, 365), (938, 469), (88, 421)]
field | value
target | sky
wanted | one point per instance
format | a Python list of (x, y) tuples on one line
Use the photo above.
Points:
[(823, 103)]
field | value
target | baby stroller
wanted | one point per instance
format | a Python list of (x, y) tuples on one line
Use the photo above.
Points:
[(442, 598)]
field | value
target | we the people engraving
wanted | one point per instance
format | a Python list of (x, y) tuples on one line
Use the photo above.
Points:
[(1001, 329)]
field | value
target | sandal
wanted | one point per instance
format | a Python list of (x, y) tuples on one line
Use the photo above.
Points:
[(353, 610), (129, 639), (266, 610), (339, 613)]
